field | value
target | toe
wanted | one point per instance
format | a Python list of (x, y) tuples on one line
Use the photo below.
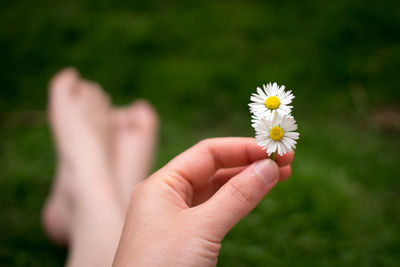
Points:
[(139, 116), (64, 82), (144, 115), (120, 117), (98, 92), (115, 118), (92, 92)]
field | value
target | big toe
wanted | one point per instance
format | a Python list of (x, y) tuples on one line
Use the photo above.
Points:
[(143, 115), (63, 83), (92, 92)]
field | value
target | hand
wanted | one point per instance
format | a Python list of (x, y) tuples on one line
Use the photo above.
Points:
[(181, 213)]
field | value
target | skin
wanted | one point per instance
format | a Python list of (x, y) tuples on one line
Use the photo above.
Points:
[(103, 152), (176, 217), (180, 214)]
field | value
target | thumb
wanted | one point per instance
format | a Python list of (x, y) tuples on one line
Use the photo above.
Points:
[(239, 196)]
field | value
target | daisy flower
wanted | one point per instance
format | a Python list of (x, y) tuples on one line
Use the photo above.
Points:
[(254, 120), (277, 135), (273, 100)]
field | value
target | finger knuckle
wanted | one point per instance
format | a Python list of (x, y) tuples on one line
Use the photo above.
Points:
[(205, 142), (240, 194)]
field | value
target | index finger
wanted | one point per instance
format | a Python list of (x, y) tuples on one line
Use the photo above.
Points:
[(200, 162)]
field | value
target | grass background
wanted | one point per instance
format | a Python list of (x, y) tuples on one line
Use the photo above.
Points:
[(198, 62)]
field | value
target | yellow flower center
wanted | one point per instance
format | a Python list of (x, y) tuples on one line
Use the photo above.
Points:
[(272, 102), (276, 133)]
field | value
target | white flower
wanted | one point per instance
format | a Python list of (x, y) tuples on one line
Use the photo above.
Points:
[(254, 120), (272, 100), (277, 135)]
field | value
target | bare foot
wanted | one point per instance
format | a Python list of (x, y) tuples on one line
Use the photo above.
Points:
[(134, 134), (78, 114), (97, 147), (102, 155), (79, 119)]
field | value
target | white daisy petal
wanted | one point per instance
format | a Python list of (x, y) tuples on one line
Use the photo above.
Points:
[(261, 93), (286, 147), (272, 148), (279, 150), (288, 142), (257, 99), (292, 135)]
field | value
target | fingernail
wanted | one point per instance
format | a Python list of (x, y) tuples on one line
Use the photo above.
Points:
[(267, 170)]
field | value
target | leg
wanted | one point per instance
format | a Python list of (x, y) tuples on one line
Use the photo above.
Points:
[(83, 209), (102, 154)]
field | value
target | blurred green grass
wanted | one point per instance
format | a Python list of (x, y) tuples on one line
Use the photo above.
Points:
[(198, 62)]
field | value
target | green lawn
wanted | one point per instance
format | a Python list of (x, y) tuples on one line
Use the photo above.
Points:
[(198, 62)]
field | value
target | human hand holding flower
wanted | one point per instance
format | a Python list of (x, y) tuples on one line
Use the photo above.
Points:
[(180, 214)]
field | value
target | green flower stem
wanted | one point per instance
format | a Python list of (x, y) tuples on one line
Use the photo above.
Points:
[(273, 156)]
